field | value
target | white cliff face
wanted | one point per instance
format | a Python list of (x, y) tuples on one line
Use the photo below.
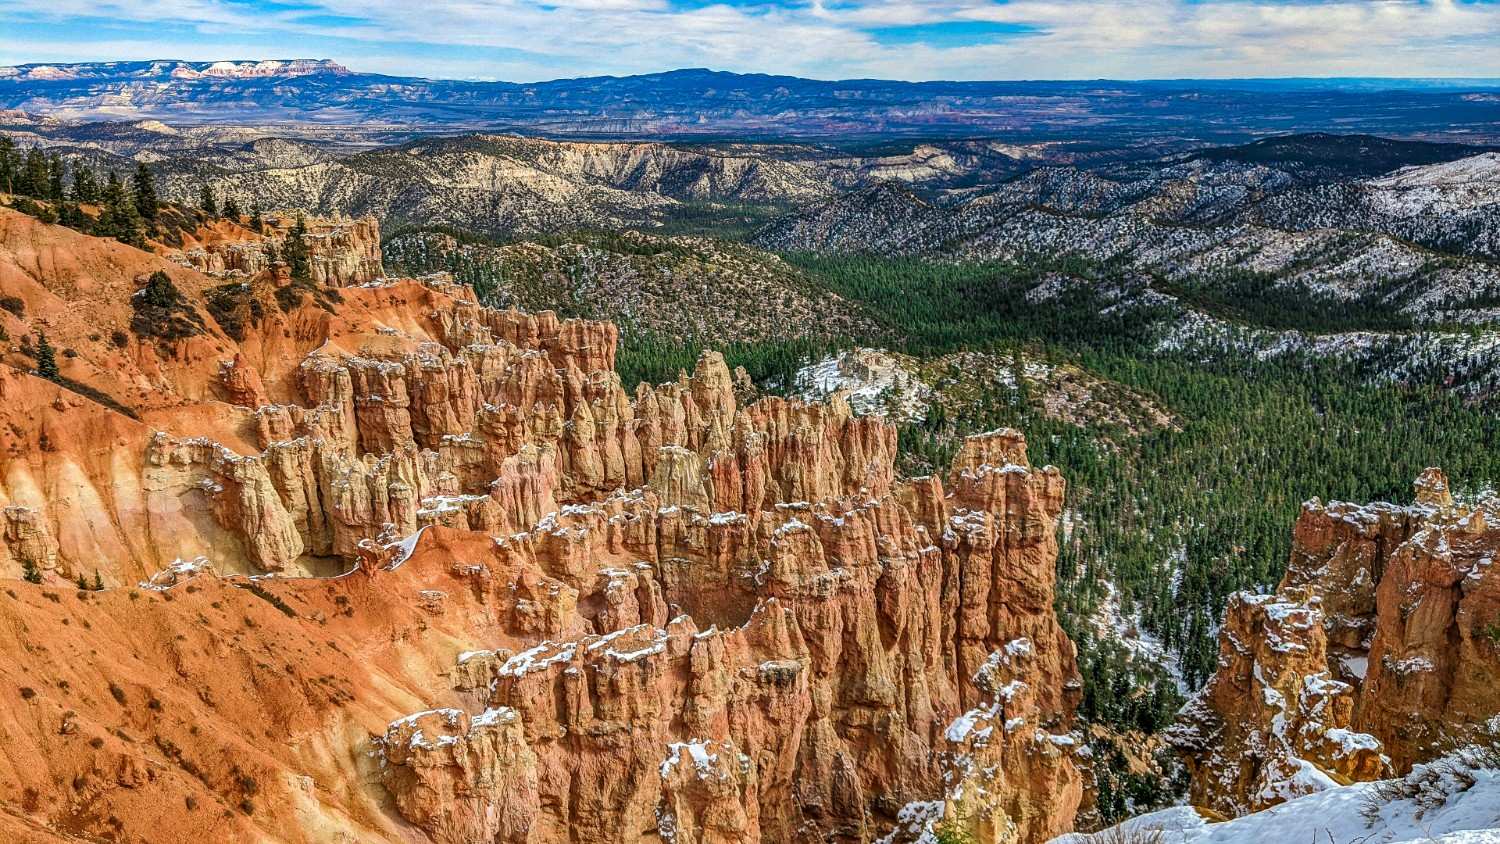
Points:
[(341, 251), (252, 70), (172, 70), (493, 183), (905, 389), (875, 382)]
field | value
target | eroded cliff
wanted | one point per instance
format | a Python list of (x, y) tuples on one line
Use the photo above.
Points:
[(1380, 649), (511, 601), (341, 251)]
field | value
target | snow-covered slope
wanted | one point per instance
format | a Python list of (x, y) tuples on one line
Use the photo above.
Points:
[(1483, 169), (1454, 800)]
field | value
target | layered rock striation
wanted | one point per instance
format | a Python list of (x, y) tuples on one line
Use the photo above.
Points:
[(341, 251), (1380, 649), (513, 601), (798, 670)]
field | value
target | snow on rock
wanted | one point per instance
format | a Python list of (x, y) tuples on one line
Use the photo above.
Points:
[(967, 725), (1450, 801), (537, 659), (701, 753), (178, 571), (1369, 633), (876, 382), (915, 822)]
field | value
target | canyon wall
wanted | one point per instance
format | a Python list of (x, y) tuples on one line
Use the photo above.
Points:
[(511, 600), (1379, 649)]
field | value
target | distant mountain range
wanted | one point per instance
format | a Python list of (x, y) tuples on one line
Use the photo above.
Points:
[(1294, 218), (705, 104)]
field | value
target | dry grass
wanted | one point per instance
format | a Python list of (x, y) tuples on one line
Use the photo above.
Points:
[(1118, 835), (1429, 786)]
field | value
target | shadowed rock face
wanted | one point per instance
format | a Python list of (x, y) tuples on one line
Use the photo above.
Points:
[(1377, 651), (569, 614)]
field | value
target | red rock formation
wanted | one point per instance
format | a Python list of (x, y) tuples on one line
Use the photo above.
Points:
[(820, 668), (560, 612), (1377, 649), (819, 695)]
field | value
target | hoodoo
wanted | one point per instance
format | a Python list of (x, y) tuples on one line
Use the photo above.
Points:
[(1378, 651), (548, 610)]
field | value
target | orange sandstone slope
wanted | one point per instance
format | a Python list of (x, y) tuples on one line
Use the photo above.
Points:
[(561, 613), (93, 476), (1379, 650)]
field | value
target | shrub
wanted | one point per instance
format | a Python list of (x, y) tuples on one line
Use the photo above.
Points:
[(161, 311), (1432, 784), (13, 304), (232, 307), (292, 296), (1492, 633), (951, 833), (1128, 835)]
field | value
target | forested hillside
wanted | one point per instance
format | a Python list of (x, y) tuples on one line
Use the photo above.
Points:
[(1171, 518)]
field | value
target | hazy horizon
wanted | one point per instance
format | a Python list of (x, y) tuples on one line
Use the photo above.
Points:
[(353, 66), (958, 40)]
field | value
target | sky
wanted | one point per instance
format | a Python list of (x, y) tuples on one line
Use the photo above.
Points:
[(529, 40)]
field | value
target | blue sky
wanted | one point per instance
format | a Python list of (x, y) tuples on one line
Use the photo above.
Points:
[(526, 40)]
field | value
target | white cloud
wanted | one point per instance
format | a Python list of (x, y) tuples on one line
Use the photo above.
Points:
[(522, 39)]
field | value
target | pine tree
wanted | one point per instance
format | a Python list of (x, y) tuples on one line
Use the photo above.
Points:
[(30, 573), (9, 165), (83, 585), (73, 217), (85, 185), (144, 184), (55, 173), (207, 202), (295, 250), (231, 209), (119, 218), (98, 582), (112, 198), (159, 291), (256, 221), (34, 177), (46, 358)]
